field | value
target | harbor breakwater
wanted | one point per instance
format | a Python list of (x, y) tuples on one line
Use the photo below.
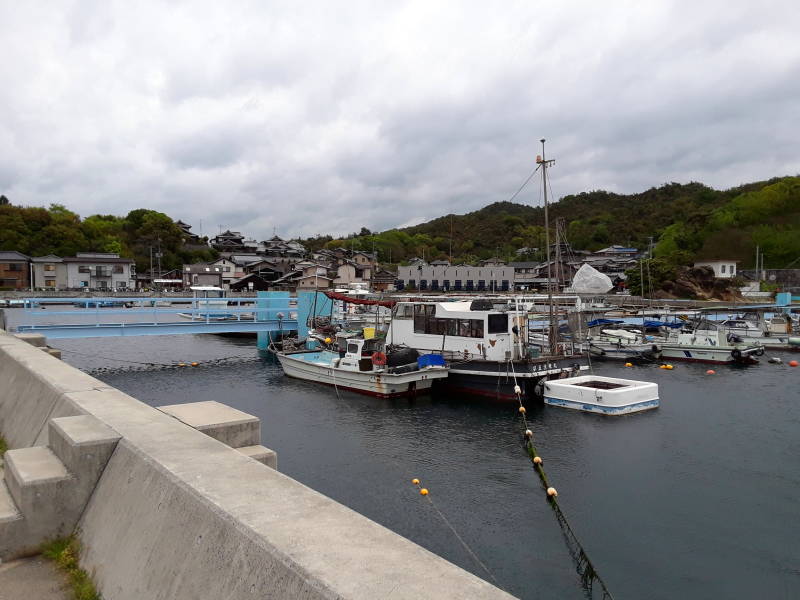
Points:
[(177, 514)]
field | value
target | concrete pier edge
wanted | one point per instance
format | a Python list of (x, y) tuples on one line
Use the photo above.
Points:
[(177, 514)]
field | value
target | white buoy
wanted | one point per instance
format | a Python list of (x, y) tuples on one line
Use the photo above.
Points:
[(775, 360)]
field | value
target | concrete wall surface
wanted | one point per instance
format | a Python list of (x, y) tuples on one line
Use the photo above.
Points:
[(177, 514)]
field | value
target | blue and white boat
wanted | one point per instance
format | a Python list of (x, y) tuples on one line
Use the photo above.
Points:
[(603, 395), (360, 365)]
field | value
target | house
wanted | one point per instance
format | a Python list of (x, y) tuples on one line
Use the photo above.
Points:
[(252, 282), (275, 246), (189, 237), (49, 272), (492, 262), (525, 273), (229, 241), (229, 269), (617, 251), (14, 270), (100, 271), (383, 281), (350, 272), (723, 269), (202, 274)]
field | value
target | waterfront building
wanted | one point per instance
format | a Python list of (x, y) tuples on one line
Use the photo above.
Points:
[(100, 271), (49, 272), (202, 274), (14, 270), (229, 241), (456, 278)]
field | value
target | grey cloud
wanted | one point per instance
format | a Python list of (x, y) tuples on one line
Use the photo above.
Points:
[(319, 119)]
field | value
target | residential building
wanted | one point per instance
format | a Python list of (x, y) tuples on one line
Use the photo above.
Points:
[(14, 270), (100, 271), (457, 278), (525, 274), (189, 237), (383, 281), (617, 251), (49, 272), (723, 269), (229, 241), (202, 274)]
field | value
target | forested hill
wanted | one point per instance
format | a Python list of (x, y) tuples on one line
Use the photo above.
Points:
[(686, 221)]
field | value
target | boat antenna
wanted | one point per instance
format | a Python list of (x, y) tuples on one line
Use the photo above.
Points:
[(551, 334)]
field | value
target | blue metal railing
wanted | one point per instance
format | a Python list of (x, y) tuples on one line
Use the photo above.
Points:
[(155, 315)]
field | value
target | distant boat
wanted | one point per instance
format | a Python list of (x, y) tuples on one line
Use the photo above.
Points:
[(704, 341)]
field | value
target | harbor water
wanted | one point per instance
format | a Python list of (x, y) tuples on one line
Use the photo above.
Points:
[(697, 499)]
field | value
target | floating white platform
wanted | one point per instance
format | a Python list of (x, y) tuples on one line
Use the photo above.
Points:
[(604, 395)]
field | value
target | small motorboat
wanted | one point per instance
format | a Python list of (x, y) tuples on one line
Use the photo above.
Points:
[(364, 366)]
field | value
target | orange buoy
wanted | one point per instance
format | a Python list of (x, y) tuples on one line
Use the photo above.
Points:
[(793, 363), (628, 364), (194, 364), (711, 372), (522, 410), (424, 491), (669, 367), (378, 359), (537, 460), (415, 481), (662, 366)]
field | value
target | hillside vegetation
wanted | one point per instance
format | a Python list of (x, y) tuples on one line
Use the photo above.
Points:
[(37, 231), (686, 222)]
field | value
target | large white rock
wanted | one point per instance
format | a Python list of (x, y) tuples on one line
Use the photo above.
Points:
[(589, 280)]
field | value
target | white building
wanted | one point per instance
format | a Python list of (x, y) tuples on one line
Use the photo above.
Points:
[(723, 269), (456, 278), (100, 271)]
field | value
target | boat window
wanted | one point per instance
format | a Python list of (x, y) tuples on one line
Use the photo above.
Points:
[(405, 311), (352, 348), (498, 323)]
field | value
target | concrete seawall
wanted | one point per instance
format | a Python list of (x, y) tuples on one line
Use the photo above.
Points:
[(177, 514)]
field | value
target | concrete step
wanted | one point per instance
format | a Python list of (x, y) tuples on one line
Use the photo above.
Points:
[(84, 444), (35, 477), (8, 508), (263, 455), (233, 427), (12, 522)]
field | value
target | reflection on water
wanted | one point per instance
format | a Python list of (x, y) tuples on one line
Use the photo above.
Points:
[(698, 499)]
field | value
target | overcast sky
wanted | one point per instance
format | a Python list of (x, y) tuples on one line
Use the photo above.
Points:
[(306, 117)]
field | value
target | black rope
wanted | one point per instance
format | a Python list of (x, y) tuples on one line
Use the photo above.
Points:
[(515, 194)]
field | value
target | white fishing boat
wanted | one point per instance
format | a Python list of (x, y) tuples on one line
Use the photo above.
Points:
[(704, 341), (623, 344), (603, 395), (360, 365)]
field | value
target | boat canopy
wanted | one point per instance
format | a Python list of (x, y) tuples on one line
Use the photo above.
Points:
[(351, 300)]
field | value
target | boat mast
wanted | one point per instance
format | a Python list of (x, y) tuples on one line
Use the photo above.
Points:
[(551, 332)]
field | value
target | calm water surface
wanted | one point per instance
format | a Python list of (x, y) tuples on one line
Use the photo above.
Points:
[(698, 499)]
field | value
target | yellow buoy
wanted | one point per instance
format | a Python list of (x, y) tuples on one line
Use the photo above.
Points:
[(522, 410), (181, 364), (327, 340), (424, 491), (662, 366), (194, 364), (670, 367), (628, 364), (551, 491), (415, 481)]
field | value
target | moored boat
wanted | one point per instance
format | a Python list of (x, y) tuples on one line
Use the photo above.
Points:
[(704, 341), (360, 365)]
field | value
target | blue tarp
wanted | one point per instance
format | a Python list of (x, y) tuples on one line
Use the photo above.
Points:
[(430, 360), (654, 324), (598, 322)]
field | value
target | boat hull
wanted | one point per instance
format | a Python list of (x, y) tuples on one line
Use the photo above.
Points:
[(714, 356), (374, 383), (496, 380)]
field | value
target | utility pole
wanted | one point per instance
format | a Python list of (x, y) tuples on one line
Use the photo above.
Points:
[(552, 330)]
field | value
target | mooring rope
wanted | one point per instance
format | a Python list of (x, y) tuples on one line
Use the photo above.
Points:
[(583, 565)]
